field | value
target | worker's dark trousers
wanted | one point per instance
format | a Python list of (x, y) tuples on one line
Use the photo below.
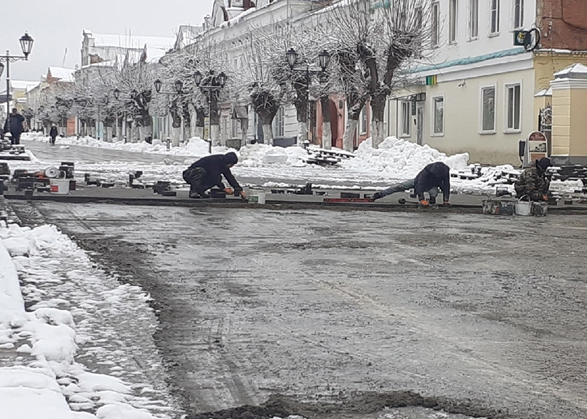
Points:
[(199, 180), (15, 138)]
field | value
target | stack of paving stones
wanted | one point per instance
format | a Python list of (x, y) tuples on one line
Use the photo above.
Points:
[(572, 173)]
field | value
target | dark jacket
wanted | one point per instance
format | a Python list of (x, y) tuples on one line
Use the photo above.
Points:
[(434, 175), (217, 165), (16, 124), (53, 132)]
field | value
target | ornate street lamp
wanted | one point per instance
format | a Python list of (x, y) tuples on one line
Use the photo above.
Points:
[(292, 57), (158, 83), (221, 79), (324, 59), (116, 94), (26, 44), (198, 78), (178, 86)]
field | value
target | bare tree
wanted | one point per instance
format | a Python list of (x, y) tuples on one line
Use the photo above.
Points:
[(262, 76), (373, 46)]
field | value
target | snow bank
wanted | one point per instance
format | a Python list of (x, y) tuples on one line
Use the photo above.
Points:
[(400, 159), (25, 392), (51, 336), (195, 147), (259, 155)]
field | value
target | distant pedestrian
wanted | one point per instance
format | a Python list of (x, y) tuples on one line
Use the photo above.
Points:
[(15, 125), (433, 177), (533, 183), (207, 173), (53, 134)]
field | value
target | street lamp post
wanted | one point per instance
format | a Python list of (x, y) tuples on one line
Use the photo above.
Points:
[(212, 84), (26, 44), (178, 86), (323, 60)]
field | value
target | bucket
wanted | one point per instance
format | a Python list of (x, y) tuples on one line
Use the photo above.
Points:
[(523, 208), (258, 198), (59, 186)]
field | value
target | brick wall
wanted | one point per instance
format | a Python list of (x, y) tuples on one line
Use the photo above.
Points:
[(563, 24)]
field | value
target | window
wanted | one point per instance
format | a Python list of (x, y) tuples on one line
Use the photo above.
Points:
[(518, 14), (406, 118), (453, 14), (438, 113), (473, 19), (488, 109), (363, 120), (435, 25), (279, 123), (514, 99), (495, 16)]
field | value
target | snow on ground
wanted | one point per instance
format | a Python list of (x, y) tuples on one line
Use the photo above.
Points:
[(73, 353)]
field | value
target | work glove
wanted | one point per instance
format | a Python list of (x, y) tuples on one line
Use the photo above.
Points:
[(376, 195), (424, 203), (228, 191)]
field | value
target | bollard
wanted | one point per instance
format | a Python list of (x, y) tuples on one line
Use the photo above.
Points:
[(168, 141)]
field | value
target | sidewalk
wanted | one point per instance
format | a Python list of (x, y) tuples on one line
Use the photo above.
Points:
[(92, 194), (82, 349)]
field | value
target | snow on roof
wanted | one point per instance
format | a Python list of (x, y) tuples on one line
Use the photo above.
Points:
[(156, 46), (575, 70), (62, 74), (23, 85), (132, 41)]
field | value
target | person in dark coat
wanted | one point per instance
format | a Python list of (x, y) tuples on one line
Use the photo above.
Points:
[(15, 125), (53, 134), (207, 173), (433, 177), (533, 183)]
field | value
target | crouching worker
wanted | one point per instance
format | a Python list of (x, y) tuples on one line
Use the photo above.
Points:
[(533, 183), (433, 177), (208, 171)]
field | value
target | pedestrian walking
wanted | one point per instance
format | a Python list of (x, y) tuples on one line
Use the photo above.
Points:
[(433, 177), (207, 173), (533, 183), (53, 134), (15, 125)]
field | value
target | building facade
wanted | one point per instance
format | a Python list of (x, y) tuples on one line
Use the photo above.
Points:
[(478, 86)]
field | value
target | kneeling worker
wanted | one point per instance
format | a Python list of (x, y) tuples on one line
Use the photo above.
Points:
[(430, 179), (207, 172), (533, 182)]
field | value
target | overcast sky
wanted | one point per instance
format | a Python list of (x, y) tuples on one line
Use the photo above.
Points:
[(56, 25)]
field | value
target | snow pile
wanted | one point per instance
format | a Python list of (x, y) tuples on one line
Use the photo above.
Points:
[(401, 159), (259, 155), (195, 147), (47, 337)]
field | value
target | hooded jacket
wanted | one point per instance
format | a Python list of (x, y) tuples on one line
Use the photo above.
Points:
[(217, 165), (434, 175)]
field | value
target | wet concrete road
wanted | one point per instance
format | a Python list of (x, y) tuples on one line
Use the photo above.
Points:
[(482, 314)]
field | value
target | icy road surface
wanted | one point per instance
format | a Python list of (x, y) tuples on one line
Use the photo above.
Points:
[(483, 316)]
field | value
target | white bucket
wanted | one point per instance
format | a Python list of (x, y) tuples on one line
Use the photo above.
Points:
[(523, 208), (59, 186), (258, 198)]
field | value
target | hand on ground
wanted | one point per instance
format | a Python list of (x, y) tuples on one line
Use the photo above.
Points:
[(228, 191)]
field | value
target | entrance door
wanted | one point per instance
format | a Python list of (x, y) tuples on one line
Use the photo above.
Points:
[(420, 123)]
